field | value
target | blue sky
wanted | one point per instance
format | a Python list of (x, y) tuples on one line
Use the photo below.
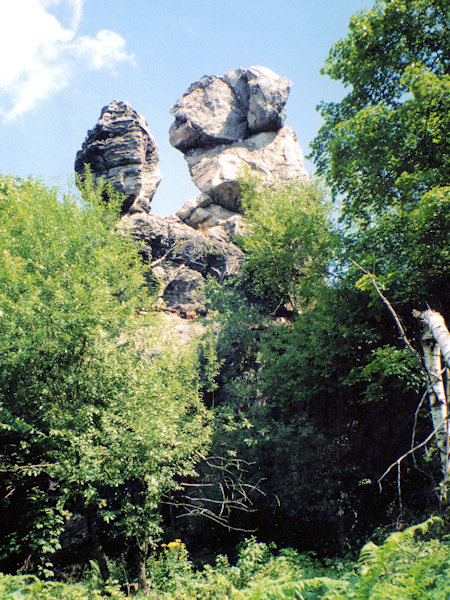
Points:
[(63, 60)]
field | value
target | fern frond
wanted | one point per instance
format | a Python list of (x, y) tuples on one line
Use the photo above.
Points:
[(369, 554), (303, 589)]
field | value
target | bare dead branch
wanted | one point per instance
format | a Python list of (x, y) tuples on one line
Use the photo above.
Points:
[(411, 451), (185, 484), (416, 415), (10, 489), (222, 492), (195, 511)]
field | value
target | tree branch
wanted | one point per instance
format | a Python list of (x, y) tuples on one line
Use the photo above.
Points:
[(410, 451), (391, 310)]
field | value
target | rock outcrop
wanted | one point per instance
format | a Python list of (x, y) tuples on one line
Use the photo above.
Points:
[(181, 258), (222, 125), (222, 110), (121, 149), (226, 124)]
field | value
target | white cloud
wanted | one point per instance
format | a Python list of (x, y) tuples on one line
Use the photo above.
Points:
[(102, 52), (40, 53), (77, 6)]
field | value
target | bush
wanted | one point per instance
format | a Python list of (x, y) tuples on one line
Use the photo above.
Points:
[(29, 587), (97, 416), (411, 564)]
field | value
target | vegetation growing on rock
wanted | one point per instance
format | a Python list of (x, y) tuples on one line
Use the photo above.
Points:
[(300, 415)]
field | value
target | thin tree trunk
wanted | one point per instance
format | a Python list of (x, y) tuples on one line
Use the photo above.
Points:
[(143, 585), (436, 324), (436, 340), (96, 548)]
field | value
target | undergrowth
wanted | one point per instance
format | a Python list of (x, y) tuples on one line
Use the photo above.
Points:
[(410, 565)]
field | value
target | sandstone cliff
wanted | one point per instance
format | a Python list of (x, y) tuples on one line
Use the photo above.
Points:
[(222, 126), (121, 149)]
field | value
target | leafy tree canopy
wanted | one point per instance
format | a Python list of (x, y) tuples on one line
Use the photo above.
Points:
[(386, 143), (97, 416), (287, 241)]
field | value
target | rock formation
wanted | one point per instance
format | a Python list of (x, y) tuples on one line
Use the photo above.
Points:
[(222, 125), (121, 149), (181, 258), (226, 124)]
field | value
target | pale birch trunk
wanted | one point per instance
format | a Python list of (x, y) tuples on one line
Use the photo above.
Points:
[(436, 340), (436, 324), (438, 399)]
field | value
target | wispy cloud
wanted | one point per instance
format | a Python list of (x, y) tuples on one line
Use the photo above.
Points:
[(104, 51), (40, 52)]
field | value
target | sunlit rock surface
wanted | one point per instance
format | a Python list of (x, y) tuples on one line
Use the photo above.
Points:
[(121, 149), (225, 125)]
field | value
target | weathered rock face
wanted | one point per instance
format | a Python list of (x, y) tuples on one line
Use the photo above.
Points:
[(222, 125), (209, 113), (181, 258), (222, 110), (272, 154), (121, 149), (263, 95), (226, 124)]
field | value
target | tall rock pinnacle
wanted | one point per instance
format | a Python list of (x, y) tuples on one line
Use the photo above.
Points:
[(226, 124), (121, 149), (222, 125)]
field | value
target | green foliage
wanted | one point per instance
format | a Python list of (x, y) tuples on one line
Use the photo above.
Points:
[(287, 242), (386, 142), (258, 573), (414, 563), (209, 361), (278, 398), (239, 320), (389, 368), (411, 564), (408, 252), (312, 386), (29, 587), (384, 152), (98, 416), (306, 400), (384, 148)]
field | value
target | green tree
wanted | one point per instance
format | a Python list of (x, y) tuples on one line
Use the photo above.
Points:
[(287, 242), (281, 393), (384, 150), (324, 400), (314, 393), (98, 417), (386, 143)]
